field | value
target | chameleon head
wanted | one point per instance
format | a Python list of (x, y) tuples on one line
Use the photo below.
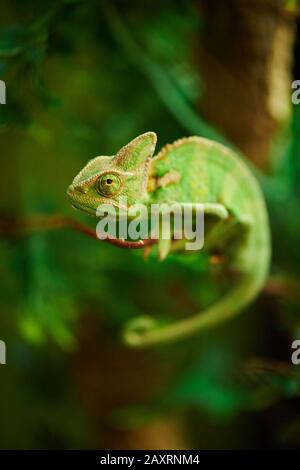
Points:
[(113, 180)]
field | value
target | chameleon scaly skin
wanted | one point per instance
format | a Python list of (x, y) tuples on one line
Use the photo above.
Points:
[(192, 170)]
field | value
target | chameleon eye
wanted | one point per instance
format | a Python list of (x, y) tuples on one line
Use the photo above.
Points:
[(109, 184)]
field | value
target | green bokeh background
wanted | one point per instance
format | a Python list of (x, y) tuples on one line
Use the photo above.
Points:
[(79, 86)]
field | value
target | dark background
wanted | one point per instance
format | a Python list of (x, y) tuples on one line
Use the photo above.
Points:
[(83, 78)]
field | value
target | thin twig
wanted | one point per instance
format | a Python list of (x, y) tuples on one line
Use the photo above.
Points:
[(16, 227)]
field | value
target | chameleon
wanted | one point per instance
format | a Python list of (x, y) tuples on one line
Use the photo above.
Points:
[(192, 170)]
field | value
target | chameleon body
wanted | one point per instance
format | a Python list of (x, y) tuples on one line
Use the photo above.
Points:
[(192, 170)]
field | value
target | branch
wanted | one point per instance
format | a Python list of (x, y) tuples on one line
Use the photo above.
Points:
[(18, 227)]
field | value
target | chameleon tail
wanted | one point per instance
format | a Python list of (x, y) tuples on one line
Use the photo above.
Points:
[(146, 331)]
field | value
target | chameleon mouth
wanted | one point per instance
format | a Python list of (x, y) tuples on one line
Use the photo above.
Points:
[(82, 207), (80, 204), (91, 210)]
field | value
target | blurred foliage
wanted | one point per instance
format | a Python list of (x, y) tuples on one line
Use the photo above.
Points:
[(85, 77)]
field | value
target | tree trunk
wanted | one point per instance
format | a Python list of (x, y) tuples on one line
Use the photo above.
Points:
[(246, 51)]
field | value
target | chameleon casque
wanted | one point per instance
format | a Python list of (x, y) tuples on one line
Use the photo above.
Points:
[(192, 170)]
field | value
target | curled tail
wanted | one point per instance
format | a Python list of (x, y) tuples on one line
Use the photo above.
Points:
[(145, 331), (254, 256)]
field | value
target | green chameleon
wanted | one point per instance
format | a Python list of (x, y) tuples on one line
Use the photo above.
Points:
[(191, 171)]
